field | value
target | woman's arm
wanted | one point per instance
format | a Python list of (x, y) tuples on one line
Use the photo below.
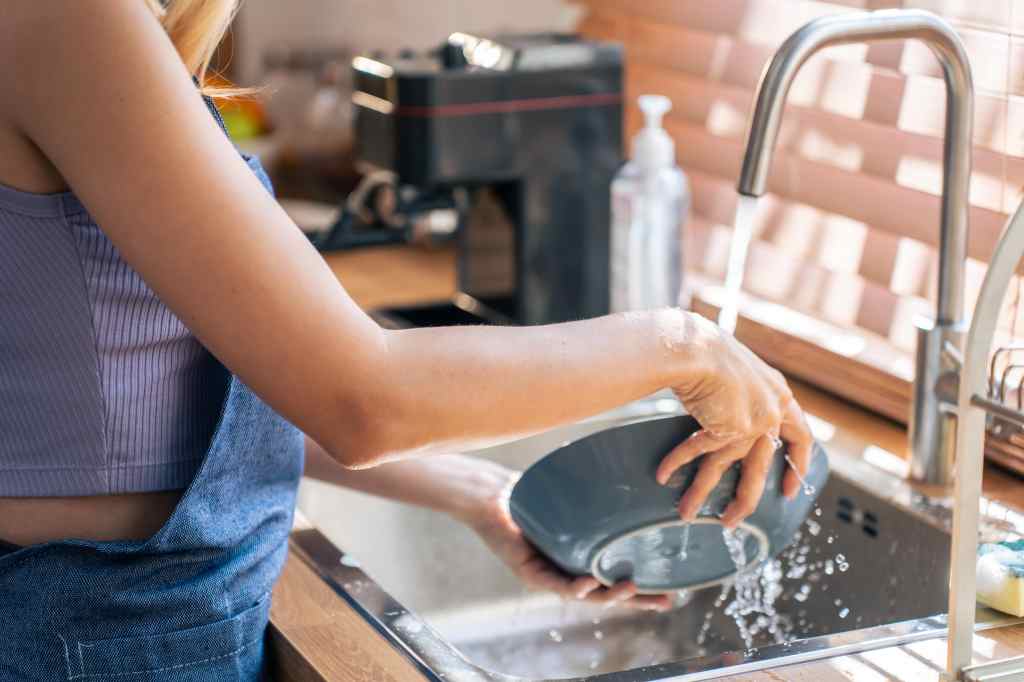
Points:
[(101, 91), (461, 486), (475, 492)]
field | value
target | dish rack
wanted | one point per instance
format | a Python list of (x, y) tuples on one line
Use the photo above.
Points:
[(1004, 432), (988, 409)]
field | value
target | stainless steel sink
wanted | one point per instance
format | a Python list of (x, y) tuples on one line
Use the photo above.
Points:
[(432, 587)]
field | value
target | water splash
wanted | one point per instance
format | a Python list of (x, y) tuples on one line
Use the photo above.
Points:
[(807, 487), (755, 591), (684, 542), (743, 230)]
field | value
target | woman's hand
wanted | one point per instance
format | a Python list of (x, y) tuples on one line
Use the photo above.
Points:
[(746, 410), (495, 526), (475, 492)]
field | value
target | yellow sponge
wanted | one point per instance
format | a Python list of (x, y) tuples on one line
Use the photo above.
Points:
[(1001, 577)]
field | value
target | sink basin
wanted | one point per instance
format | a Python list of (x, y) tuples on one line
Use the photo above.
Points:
[(870, 569)]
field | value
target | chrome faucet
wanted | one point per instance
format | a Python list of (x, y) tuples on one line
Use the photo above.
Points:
[(932, 420)]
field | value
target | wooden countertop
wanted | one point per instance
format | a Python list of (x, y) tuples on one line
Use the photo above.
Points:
[(315, 635)]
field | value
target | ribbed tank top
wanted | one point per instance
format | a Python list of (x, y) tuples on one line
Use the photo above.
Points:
[(103, 390)]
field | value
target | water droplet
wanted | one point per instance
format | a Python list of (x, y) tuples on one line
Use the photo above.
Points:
[(830, 539), (409, 625), (598, 634), (349, 560), (838, 602), (844, 613), (807, 487), (555, 635), (803, 593), (829, 567), (817, 511)]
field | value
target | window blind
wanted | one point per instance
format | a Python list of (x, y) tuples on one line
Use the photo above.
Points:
[(844, 256)]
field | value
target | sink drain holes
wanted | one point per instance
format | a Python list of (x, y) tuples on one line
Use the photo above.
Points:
[(847, 512)]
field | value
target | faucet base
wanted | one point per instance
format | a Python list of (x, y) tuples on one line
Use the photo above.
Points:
[(933, 420)]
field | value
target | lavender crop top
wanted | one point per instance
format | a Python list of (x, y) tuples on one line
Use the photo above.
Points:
[(102, 389)]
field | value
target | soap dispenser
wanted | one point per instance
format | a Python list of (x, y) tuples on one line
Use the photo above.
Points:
[(650, 201)]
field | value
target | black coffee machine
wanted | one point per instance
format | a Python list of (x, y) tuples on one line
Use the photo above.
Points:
[(510, 146)]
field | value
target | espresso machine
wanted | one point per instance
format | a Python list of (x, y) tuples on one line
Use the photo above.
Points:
[(507, 146)]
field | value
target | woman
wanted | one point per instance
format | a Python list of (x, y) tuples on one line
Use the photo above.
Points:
[(166, 325)]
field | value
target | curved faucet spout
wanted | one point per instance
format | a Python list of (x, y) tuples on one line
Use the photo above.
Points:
[(863, 27), (932, 425)]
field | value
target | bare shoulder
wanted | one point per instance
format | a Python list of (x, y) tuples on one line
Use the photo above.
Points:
[(54, 43), (45, 45)]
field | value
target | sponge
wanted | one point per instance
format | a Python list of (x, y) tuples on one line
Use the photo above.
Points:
[(1001, 576)]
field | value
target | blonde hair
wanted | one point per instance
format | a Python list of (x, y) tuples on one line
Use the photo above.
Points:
[(196, 28)]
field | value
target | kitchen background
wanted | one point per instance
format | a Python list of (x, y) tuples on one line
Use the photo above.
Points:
[(843, 261), (844, 254)]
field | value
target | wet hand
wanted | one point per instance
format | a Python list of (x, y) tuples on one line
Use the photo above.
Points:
[(500, 533), (745, 410)]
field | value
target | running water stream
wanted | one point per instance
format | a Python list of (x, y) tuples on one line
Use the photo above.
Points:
[(755, 589), (742, 233)]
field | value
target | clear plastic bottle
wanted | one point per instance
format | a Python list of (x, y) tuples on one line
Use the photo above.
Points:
[(650, 204)]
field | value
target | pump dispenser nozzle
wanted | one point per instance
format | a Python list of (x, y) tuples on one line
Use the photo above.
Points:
[(652, 146)]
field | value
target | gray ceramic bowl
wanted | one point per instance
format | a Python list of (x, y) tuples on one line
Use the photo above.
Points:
[(593, 506)]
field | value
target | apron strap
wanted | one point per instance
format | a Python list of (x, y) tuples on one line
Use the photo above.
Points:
[(213, 109)]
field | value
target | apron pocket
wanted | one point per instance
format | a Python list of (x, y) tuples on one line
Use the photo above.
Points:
[(167, 652)]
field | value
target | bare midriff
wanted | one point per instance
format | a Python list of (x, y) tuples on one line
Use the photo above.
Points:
[(32, 520)]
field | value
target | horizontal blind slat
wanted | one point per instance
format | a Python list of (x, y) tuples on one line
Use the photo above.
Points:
[(909, 160), (829, 241), (769, 22), (855, 90), (839, 298), (882, 205)]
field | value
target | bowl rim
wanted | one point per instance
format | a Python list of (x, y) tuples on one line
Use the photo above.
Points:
[(763, 546)]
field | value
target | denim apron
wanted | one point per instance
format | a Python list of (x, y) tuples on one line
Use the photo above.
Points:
[(190, 603)]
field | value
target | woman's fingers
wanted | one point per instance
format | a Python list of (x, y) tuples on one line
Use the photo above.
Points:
[(625, 595), (541, 574), (615, 594), (797, 435), (583, 586), (708, 475), (687, 451), (752, 480), (649, 602)]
